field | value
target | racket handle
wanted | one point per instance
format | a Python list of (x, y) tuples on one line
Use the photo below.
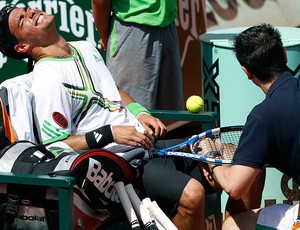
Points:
[(159, 215), (140, 209), (125, 201), (159, 226)]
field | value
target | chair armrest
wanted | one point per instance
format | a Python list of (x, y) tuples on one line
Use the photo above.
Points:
[(182, 115), (64, 185), (35, 179), (208, 119)]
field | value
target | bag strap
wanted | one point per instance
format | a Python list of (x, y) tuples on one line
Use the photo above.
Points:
[(9, 211)]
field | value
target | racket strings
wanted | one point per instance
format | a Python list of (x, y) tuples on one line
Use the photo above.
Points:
[(230, 142), (218, 146)]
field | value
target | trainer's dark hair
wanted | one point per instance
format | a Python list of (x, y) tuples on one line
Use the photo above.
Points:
[(260, 50), (7, 39)]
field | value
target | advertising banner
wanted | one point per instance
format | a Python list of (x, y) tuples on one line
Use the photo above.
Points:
[(239, 13), (196, 17)]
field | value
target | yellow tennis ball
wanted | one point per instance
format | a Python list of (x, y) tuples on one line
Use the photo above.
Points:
[(194, 104)]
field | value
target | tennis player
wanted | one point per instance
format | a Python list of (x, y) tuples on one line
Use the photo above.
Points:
[(272, 130), (75, 100)]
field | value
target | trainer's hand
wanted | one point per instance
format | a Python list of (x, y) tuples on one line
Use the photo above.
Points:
[(103, 44), (129, 135), (152, 124)]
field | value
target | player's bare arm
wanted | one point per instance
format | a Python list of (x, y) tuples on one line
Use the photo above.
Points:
[(126, 135), (77, 142), (150, 123), (125, 97)]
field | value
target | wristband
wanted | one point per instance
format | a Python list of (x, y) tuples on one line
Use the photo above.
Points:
[(99, 137), (135, 108)]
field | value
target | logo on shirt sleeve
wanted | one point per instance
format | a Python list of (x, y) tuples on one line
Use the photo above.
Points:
[(60, 119)]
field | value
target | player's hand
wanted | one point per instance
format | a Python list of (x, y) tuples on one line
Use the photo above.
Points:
[(129, 135), (152, 125)]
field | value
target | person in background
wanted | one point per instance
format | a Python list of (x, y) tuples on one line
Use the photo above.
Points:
[(142, 49), (271, 133)]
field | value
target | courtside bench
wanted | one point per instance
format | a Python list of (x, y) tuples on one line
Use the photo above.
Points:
[(65, 184)]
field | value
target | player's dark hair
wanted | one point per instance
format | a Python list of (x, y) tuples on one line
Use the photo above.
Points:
[(7, 39), (260, 50)]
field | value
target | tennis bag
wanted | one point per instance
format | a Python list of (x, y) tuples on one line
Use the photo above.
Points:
[(95, 199)]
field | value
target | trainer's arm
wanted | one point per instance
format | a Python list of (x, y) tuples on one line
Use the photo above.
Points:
[(102, 16), (236, 180)]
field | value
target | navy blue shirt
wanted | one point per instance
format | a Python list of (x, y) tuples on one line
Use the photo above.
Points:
[(272, 130)]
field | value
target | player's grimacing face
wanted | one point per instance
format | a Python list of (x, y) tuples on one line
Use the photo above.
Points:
[(31, 25)]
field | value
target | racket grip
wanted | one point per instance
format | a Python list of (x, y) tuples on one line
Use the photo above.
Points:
[(125, 201), (140, 209), (159, 226), (159, 215)]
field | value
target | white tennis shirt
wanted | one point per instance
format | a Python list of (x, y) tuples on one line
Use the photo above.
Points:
[(72, 96)]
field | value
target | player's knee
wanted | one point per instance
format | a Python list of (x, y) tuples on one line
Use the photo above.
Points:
[(193, 197)]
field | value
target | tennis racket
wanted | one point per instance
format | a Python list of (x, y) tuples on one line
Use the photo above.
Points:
[(162, 221), (216, 146), (121, 174), (128, 208), (141, 210)]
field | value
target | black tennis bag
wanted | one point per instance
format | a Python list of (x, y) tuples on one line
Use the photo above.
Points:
[(95, 199)]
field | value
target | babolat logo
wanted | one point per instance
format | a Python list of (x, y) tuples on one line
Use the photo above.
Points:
[(32, 218), (102, 180)]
